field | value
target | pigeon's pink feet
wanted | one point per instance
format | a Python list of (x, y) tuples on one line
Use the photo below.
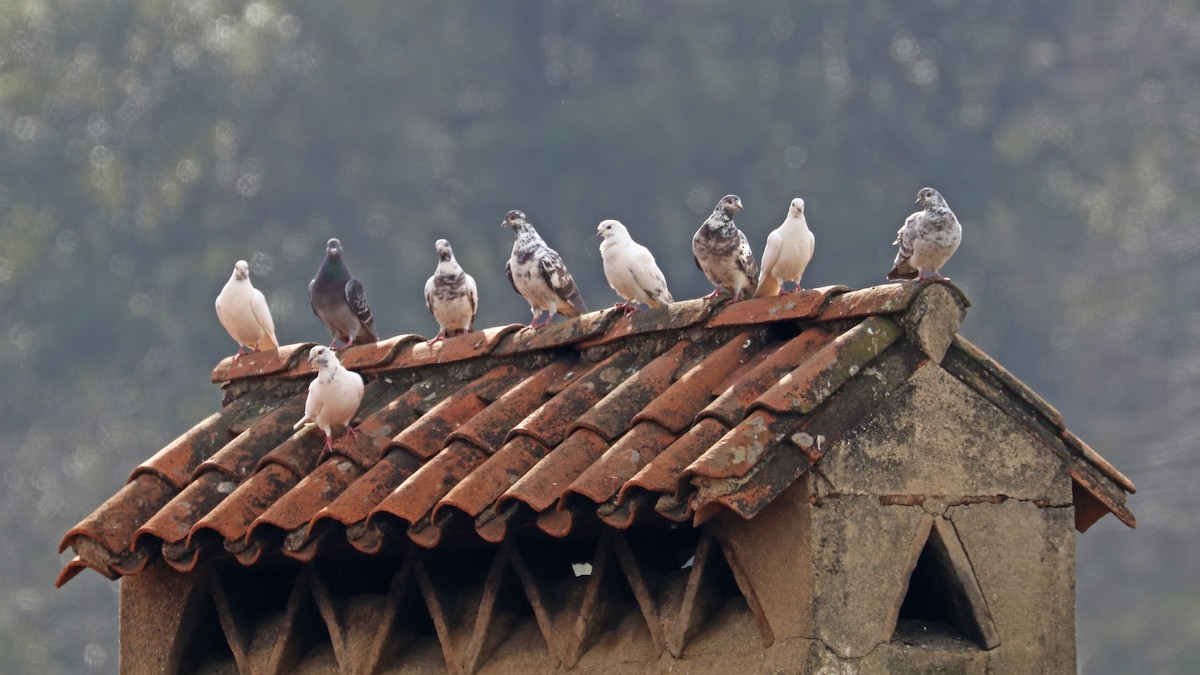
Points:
[(715, 293), (936, 276), (351, 431), (627, 307), (437, 338)]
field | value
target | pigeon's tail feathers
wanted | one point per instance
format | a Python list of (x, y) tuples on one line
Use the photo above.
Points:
[(366, 334), (574, 306), (268, 342), (748, 291), (303, 420), (902, 270), (768, 287), (661, 299)]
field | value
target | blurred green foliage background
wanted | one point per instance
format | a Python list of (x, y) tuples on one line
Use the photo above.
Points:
[(147, 145)]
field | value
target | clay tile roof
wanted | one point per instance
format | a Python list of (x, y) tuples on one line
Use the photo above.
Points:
[(671, 414)]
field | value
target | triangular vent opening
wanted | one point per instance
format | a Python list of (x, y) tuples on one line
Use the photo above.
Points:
[(942, 602), (205, 649)]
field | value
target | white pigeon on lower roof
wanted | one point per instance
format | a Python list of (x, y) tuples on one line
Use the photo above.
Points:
[(787, 253), (451, 294), (333, 397), (630, 269), (242, 310)]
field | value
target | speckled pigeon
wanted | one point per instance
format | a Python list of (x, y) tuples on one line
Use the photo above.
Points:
[(333, 397), (451, 295), (242, 310), (339, 302), (722, 252), (538, 274), (787, 253), (630, 269), (927, 239)]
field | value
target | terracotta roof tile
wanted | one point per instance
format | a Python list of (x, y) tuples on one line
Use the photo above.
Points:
[(355, 504), (231, 517), (548, 423), (610, 472), (497, 474), (790, 307), (173, 522), (450, 350), (559, 334), (676, 408), (487, 429), (822, 372), (542, 485), (239, 457), (113, 524), (176, 463), (417, 495), (672, 317), (260, 364), (610, 417), (375, 354), (730, 407), (672, 414)]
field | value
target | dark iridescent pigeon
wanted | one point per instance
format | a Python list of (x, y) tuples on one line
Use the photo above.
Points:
[(339, 302), (451, 295), (537, 273), (927, 239), (723, 253)]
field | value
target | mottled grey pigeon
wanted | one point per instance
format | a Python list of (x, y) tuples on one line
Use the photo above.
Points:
[(787, 253), (451, 295), (630, 269), (333, 397), (927, 239), (723, 254), (242, 310), (339, 302), (537, 273)]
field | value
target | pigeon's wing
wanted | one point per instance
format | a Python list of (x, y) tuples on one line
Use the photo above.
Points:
[(312, 404), (555, 273), (649, 277), (767, 284), (222, 318), (262, 314), (312, 297), (473, 298), (745, 261), (901, 269), (508, 273), (357, 297), (429, 293)]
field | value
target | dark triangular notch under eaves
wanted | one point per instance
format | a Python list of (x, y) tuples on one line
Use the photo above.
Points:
[(942, 598)]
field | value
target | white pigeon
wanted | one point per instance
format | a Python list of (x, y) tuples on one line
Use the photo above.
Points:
[(927, 239), (723, 253), (242, 310), (630, 269), (451, 295), (537, 273), (787, 253), (333, 397)]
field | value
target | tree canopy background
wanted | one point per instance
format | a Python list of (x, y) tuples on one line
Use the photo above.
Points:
[(145, 146)]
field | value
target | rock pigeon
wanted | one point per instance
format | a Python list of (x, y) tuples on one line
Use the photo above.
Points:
[(788, 252), (451, 295), (927, 239), (722, 252), (630, 269), (242, 310), (333, 397), (538, 274), (339, 302)]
